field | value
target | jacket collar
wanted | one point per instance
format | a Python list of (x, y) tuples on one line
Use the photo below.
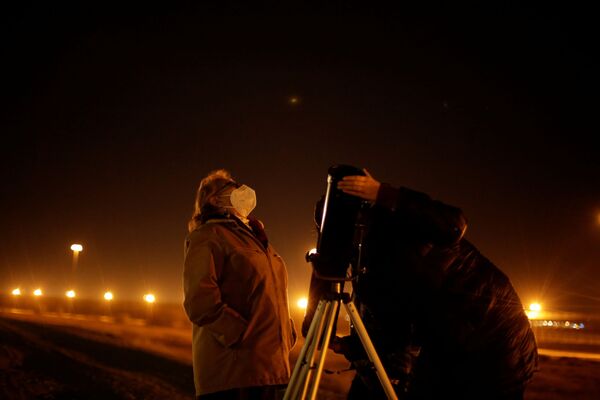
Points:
[(254, 227)]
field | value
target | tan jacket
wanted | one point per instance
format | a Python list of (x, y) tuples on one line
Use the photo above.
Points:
[(236, 296)]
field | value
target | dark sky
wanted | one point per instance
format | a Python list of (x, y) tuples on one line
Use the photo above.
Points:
[(112, 116)]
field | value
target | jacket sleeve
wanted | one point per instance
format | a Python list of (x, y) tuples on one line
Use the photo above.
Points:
[(203, 261), (438, 223)]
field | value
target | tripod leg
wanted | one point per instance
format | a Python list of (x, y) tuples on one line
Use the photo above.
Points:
[(370, 349), (331, 320), (307, 373), (298, 381)]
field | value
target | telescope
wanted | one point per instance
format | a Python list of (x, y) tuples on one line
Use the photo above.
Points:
[(341, 222)]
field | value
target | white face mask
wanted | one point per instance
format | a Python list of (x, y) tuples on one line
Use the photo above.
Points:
[(243, 200)]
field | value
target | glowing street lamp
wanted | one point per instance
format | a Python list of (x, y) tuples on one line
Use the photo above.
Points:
[(149, 298), (108, 296), (16, 292), (534, 311), (70, 294), (37, 292), (76, 248), (302, 303)]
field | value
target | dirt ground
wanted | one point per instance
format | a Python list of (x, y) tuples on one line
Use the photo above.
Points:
[(76, 358)]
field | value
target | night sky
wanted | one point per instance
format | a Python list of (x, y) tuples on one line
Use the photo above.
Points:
[(112, 116)]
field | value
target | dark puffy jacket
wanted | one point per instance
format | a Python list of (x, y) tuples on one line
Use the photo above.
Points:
[(475, 338), (429, 287)]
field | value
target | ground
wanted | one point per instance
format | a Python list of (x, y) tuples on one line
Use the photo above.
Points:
[(77, 357)]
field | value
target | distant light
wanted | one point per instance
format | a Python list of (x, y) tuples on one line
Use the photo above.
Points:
[(294, 100), (108, 296), (302, 303), (77, 247), (149, 298), (70, 294), (16, 292), (532, 314), (535, 307), (37, 292)]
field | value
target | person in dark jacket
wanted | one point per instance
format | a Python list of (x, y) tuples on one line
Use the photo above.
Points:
[(445, 320)]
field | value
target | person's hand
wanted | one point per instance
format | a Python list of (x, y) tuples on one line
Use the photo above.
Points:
[(365, 187)]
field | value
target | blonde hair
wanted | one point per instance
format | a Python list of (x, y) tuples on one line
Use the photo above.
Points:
[(211, 184)]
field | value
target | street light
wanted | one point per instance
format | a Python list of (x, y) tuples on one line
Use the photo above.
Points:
[(70, 294), (302, 303), (534, 311), (37, 292), (149, 298), (108, 296), (16, 292), (77, 248)]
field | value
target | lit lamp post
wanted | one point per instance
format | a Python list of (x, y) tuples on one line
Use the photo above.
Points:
[(302, 303), (149, 298), (534, 311), (77, 248), (16, 293), (108, 298), (37, 293), (70, 294)]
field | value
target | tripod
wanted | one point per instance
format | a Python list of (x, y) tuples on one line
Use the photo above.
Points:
[(304, 382)]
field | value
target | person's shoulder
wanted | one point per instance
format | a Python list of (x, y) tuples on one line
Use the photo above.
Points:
[(208, 230), (481, 266)]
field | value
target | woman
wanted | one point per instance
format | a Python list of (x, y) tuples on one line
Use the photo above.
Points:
[(235, 287)]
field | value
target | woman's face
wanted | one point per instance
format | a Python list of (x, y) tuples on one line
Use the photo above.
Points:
[(222, 199)]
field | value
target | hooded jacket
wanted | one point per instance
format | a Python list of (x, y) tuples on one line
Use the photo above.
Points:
[(235, 288)]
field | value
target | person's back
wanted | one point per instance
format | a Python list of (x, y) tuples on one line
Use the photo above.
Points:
[(476, 341)]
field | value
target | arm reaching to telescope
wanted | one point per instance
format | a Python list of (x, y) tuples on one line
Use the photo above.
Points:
[(435, 221)]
